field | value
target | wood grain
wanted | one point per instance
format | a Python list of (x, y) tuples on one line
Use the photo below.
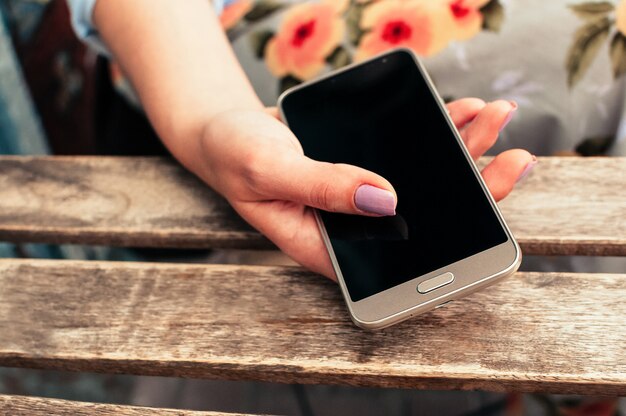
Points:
[(143, 202), (561, 333), (570, 206), (36, 406), (567, 206)]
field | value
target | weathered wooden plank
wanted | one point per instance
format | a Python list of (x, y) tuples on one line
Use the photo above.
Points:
[(143, 202), (559, 332), (37, 406), (568, 206), (571, 206)]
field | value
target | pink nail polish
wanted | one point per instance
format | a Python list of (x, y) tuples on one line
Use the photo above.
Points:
[(528, 168), (374, 200), (510, 115)]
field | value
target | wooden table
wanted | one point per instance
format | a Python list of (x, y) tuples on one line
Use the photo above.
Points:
[(548, 332)]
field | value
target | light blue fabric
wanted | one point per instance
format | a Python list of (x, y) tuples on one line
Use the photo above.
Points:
[(82, 22), (82, 11), (20, 129)]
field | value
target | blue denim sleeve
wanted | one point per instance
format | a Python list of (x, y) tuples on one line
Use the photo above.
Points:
[(82, 11)]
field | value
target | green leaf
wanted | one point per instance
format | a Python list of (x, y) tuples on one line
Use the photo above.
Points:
[(618, 54), (493, 16), (258, 42), (288, 82), (340, 57), (595, 146), (587, 42), (592, 10), (263, 9), (353, 19)]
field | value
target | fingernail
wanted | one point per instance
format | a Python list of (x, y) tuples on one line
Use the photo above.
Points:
[(374, 200), (528, 168), (510, 115)]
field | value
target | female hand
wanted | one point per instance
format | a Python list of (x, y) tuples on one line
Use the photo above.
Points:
[(257, 163)]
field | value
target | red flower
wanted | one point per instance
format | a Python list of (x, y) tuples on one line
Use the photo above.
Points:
[(308, 34), (409, 23)]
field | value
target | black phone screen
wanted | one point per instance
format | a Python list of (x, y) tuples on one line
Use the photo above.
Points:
[(383, 117)]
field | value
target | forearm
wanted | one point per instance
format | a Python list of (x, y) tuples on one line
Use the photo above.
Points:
[(181, 65)]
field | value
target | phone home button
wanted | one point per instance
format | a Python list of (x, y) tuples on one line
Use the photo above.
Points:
[(435, 282)]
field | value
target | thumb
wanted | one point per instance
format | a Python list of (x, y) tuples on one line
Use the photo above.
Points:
[(332, 187)]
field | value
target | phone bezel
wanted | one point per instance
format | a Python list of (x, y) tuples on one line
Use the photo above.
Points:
[(471, 273)]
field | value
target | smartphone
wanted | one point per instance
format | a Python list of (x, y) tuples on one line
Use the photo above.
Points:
[(448, 238)]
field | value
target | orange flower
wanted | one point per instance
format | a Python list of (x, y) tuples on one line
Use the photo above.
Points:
[(620, 17), (426, 26), (475, 4), (408, 23), (464, 19), (308, 33), (234, 12), (339, 5)]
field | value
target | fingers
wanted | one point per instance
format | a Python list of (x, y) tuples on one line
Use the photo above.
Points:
[(464, 110), (505, 170), (293, 228), (483, 131), (331, 187)]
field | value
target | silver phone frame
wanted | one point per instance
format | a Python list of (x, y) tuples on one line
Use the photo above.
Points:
[(403, 301)]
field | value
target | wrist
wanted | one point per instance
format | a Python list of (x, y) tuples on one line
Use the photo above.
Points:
[(189, 131), (218, 143)]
